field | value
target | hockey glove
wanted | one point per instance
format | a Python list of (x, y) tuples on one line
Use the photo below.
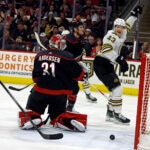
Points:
[(125, 51), (137, 10), (123, 64)]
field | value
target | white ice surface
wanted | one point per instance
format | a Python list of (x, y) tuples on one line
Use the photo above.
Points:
[(95, 138)]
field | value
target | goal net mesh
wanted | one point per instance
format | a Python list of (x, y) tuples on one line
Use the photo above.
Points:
[(142, 130)]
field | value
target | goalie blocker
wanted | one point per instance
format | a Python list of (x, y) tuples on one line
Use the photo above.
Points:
[(67, 120)]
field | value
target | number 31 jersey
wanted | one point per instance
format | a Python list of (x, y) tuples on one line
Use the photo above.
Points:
[(54, 72)]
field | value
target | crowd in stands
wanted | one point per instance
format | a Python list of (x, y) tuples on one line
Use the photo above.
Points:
[(19, 19)]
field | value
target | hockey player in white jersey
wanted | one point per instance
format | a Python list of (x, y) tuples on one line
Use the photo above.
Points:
[(113, 52)]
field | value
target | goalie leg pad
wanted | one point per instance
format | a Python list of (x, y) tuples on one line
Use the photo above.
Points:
[(70, 121), (24, 122)]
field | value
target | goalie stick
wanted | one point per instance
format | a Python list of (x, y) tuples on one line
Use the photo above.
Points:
[(45, 136), (19, 89), (38, 40)]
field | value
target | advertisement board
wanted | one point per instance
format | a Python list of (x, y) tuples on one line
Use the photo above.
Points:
[(16, 67)]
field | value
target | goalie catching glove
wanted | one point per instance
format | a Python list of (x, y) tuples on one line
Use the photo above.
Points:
[(123, 64)]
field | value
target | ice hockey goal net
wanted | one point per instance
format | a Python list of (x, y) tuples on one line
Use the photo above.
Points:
[(142, 129)]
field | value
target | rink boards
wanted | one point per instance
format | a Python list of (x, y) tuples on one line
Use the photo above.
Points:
[(16, 68)]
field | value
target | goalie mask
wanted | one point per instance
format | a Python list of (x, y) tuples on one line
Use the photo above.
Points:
[(57, 42)]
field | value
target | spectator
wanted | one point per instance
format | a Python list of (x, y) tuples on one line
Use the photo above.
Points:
[(88, 22), (9, 41), (98, 26), (87, 34), (89, 45), (54, 30), (23, 17), (43, 24), (88, 4), (19, 44), (53, 9), (78, 7), (44, 40), (97, 47), (65, 4), (144, 49), (63, 21), (94, 15), (20, 31), (51, 20), (67, 11)]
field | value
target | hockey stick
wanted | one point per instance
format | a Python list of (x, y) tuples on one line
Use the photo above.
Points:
[(19, 89), (39, 42), (100, 92), (45, 136), (136, 41)]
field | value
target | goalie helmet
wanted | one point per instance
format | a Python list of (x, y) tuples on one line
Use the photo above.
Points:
[(57, 42), (119, 22)]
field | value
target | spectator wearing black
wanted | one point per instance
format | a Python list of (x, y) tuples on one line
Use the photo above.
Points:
[(63, 21), (20, 45), (51, 20), (44, 40), (20, 31), (98, 26), (54, 30), (43, 24), (89, 45), (9, 41)]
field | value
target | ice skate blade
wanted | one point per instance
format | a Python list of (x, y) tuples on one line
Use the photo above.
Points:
[(91, 101)]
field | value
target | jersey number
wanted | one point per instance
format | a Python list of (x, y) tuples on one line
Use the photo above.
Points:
[(48, 67), (112, 39)]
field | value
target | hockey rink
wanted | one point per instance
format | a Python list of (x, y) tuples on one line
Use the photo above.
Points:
[(96, 136)]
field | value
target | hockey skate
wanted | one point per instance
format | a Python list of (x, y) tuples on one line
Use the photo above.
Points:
[(109, 115), (117, 118), (90, 98), (120, 119)]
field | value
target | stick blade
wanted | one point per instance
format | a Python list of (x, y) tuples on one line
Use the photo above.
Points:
[(13, 88), (53, 136)]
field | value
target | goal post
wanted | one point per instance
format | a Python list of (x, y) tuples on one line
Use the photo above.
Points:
[(142, 129)]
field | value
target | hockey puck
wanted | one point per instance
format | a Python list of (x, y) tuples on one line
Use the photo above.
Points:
[(112, 137)]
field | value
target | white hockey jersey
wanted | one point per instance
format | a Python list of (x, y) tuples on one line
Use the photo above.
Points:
[(112, 43)]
